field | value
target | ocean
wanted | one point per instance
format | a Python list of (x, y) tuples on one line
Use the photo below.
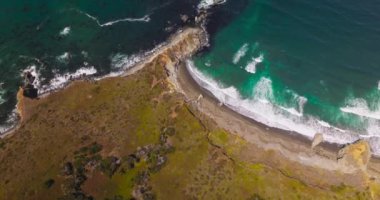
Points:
[(303, 66), (56, 40), (299, 65)]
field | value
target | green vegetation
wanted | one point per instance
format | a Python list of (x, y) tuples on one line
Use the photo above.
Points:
[(49, 183), (121, 138)]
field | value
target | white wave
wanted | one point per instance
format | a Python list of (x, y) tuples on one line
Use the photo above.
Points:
[(378, 85), (292, 111), (145, 18), (262, 110), (206, 4), (65, 31), (9, 124), (240, 53), (60, 80), (251, 66), (123, 62), (360, 107), (64, 58)]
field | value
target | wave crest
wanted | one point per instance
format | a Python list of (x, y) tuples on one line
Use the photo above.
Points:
[(261, 109)]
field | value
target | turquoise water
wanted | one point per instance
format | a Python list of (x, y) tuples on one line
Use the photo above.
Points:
[(305, 66), (302, 66), (56, 39)]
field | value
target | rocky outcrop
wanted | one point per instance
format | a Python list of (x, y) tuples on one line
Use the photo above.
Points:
[(318, 139), (29, 90), (356, 155)]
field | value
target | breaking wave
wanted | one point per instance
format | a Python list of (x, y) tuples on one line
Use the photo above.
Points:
[(240, 53), (251, 66), (9, 124), (360, 107), (61, 80), (262, 108)]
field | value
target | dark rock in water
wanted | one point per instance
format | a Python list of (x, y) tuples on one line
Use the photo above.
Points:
[(29, 78), (30, 91), (68, 169), (29, 88)]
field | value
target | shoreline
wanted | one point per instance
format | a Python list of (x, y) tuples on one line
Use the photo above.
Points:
[(291, 145), (288, 147), (146, 58)]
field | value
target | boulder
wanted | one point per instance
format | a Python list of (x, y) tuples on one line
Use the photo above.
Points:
[(184, 18), (68, 169), (30, 91), (356, 155), (318, 139)]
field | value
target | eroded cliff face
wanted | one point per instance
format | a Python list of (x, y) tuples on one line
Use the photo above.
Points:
[(357, 155)]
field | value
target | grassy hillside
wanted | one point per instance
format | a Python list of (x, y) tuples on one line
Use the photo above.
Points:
[(133, 137)]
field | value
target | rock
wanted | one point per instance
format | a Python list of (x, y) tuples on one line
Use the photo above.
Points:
[(68, 169), (318, 138), (29, 78), (184, 18), (30, 91), (357, 155)]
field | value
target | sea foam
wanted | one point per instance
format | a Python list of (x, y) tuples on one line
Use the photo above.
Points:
[(251, 66), (145, 19), (261, 109), (64, 58), (60, 80), (206, 4), (35, 73), (65, 31), (359, 107), (240, 53)]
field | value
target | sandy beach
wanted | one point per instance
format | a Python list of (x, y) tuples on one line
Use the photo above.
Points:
[(286, 148)]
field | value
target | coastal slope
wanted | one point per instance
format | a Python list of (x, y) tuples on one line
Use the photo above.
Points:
[(150, 135)]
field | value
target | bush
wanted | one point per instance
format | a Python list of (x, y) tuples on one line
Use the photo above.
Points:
[(95, 148), (49, 183)]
